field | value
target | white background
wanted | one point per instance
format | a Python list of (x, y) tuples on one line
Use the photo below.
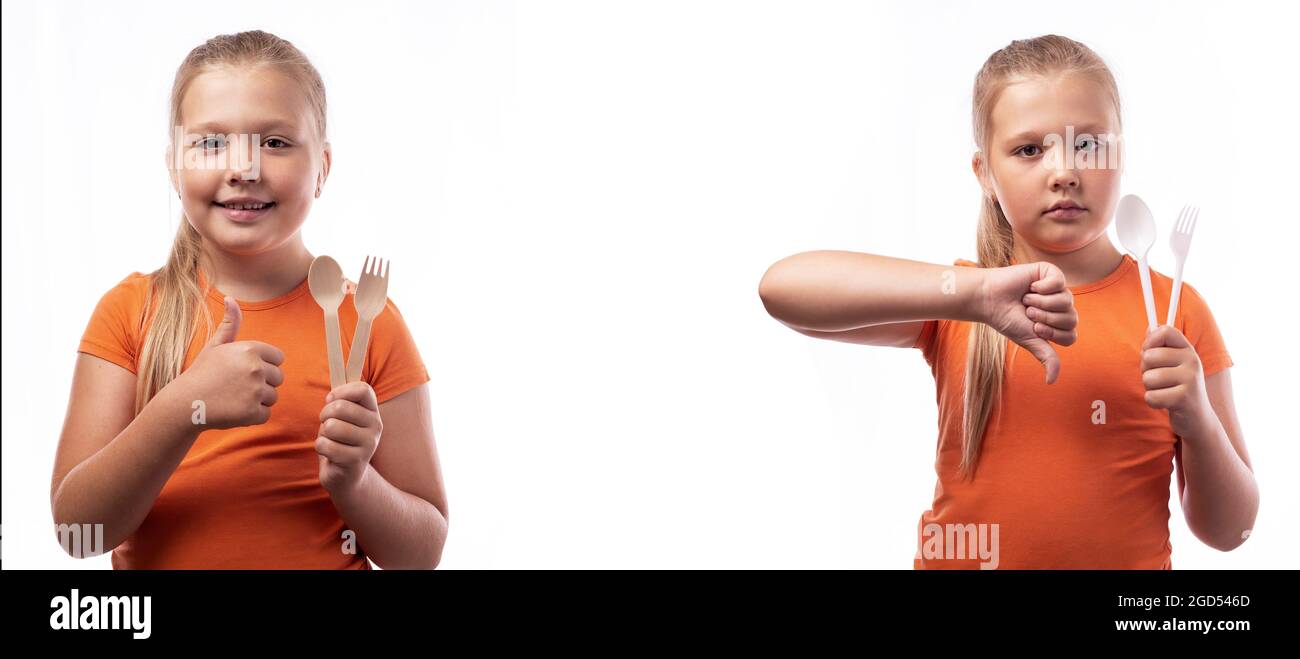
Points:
[(579, 199)]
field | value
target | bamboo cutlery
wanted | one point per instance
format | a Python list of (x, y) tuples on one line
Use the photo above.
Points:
[(325, 279)]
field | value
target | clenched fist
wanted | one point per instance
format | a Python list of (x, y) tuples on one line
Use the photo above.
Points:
[(1029, 304), (349, 434)]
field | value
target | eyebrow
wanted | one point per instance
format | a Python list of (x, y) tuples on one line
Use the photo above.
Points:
[(1033, 135), (267, 127)]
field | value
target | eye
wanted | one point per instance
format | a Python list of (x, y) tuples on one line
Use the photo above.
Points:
[(211, 142), (1025, 150), (275, 143), (1088, 144)]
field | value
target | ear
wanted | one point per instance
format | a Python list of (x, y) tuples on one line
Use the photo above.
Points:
[(327, 156), (981, 169)]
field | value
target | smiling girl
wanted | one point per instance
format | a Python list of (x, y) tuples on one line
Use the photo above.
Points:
[(1073, 471), (197, 447)]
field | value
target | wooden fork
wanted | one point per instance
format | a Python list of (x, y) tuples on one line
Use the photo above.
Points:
[(372, 294)]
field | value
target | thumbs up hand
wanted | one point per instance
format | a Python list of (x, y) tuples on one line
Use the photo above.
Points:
[(235, 381), (229, 327)]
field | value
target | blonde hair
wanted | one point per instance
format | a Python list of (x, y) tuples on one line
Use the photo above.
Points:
[(175, 285), (994, 239)]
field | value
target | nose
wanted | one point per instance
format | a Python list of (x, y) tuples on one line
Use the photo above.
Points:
[(1060, 165), (1063, 178), (244, 164)]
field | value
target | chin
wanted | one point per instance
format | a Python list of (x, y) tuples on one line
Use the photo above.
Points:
[(1064, 244), (254, 242)]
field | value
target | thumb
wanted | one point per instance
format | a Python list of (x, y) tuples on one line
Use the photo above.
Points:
[(229, 326), (1048, 279), (1043, 352)]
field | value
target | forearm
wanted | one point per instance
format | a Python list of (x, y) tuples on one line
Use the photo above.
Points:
[(836, 291), (397, 529), (118, 485), (1220, 495)]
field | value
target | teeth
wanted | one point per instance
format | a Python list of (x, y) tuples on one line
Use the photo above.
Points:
[(246, 207)]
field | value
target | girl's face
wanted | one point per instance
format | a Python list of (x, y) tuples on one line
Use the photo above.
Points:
[(1031, 164), (247, 137)]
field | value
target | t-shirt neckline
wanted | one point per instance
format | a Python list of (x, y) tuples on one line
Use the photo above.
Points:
[(280, 300), (1126, 265)]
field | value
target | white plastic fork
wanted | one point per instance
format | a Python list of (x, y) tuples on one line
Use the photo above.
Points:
[(1180, 241)]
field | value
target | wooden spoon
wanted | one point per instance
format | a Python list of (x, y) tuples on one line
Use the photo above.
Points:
[(325, 278)]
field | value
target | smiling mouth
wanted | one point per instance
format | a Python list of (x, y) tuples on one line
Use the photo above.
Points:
[(245, 207)]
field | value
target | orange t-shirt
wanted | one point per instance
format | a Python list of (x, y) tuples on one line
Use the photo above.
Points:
[(1064, 489), (251, 498)]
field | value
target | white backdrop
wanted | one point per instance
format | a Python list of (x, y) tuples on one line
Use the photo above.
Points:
[(579, 199)]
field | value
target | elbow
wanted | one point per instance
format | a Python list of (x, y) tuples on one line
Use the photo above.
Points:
[(439, 542), (78, 539), (1233, 539), (65, 530), (790, 287), (430, 559), (772, 289), (1227, 544), (765, 289), (1224, 539), (1237, 534)]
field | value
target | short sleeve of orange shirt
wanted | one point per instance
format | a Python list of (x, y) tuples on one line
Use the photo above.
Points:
[(251, 498), (1075, 474)]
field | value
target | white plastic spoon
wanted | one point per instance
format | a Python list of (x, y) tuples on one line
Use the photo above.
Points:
[(1137, 233)]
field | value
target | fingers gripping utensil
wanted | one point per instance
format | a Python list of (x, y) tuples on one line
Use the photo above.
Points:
[(371, 297), (1137, 232), (325, 279), (1180, 241)]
